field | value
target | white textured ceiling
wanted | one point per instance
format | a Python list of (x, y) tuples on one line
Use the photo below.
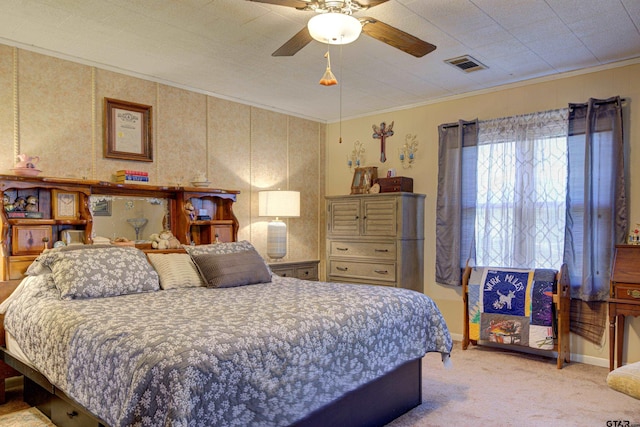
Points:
[(223, 47)]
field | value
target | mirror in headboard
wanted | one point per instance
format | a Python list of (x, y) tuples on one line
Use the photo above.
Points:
[(132, 217)]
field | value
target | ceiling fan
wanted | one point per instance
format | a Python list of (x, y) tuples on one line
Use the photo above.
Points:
[(344, 10)]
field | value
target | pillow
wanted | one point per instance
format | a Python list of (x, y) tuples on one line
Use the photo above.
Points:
[(223, 248), (176, 270), (232, 269), (101, 272), (40, 265), (626, 379), (219, 248)]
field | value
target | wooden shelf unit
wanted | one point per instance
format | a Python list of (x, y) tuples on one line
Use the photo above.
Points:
[(21, 238)]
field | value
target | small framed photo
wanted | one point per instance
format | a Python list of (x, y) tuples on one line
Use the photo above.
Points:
[(65, 204), (363, 179), (102, 208), (127, 130)]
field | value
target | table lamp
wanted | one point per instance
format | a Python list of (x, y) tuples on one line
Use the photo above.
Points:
[(278, 204)]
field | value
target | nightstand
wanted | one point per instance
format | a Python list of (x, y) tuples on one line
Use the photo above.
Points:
[(307, 270)]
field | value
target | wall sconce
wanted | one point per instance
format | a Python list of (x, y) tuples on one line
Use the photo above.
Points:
[(408, 151), (356, 158), (280, 204)]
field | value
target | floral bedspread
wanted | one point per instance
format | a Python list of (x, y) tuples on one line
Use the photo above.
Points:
[(265, 354)]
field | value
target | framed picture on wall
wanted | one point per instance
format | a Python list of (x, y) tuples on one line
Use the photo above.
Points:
[(127, 130), (64, 204)]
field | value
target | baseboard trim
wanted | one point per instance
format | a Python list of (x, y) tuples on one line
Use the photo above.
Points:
[(579, 358)]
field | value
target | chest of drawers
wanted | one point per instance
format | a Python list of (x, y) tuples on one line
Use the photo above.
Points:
[(376, 239)]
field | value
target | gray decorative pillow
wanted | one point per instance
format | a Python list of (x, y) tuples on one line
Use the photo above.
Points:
[(101, 272), (232, 269), (219, 248), (176, 270), (223, 248)]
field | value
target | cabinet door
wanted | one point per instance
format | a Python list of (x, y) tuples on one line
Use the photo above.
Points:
[(344, 217), (379, 217), (30, 239)]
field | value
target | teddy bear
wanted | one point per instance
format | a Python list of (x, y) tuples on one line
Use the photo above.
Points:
[(164, 240)]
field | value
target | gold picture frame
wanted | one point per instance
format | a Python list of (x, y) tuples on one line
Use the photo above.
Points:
[(65, 205), (363, 179), (127, 131)]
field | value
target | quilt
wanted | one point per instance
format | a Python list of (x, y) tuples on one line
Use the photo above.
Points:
[(512, 306), (260, 355)]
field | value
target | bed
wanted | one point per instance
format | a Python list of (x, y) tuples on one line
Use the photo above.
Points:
[(211, 337)]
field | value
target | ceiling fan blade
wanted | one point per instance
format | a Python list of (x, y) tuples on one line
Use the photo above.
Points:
[(298, 4), (370, 3), (294, 44), (395, 37)]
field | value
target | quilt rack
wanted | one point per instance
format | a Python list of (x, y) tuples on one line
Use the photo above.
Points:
[(518, 309)]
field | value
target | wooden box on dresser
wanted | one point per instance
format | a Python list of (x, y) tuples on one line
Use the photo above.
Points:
[(376, 239)]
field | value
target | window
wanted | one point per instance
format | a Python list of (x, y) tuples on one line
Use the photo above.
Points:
[(536, 191), (521, 201)]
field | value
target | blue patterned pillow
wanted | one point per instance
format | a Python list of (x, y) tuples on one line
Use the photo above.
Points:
[(102, 272)]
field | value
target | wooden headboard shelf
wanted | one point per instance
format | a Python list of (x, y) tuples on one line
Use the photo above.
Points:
[(25, 234)]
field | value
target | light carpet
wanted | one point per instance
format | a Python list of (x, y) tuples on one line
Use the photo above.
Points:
[(30, 417), (494, 387)]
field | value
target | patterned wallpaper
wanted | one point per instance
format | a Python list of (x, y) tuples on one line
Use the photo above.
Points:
[(53, 108)]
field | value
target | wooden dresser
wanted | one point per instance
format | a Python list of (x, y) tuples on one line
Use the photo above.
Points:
[(624, 297), (376, 239)]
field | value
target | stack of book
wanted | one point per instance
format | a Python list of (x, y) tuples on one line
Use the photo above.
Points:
[(126, 176)]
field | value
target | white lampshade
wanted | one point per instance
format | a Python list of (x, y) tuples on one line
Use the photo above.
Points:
[(334, 28), (280, 204)]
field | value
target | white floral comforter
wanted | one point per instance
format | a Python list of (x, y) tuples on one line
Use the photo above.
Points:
[(265, 354)]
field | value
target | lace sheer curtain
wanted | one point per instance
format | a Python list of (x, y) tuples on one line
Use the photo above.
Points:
[(521, 194)]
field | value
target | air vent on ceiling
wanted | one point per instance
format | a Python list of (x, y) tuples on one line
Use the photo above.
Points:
[(466, 63)]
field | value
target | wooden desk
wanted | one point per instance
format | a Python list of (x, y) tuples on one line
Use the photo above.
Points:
[(624, 297)]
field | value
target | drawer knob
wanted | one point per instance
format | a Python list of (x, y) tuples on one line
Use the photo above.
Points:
[(341, 268), (382, 271), (633, 293), (72, 414), (342, 249), (381, 250)]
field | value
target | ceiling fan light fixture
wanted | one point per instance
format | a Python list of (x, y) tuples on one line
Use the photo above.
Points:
[(334, 28)]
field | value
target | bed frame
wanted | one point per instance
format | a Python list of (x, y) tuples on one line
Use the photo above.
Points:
[(562, 307), (373, 404)]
